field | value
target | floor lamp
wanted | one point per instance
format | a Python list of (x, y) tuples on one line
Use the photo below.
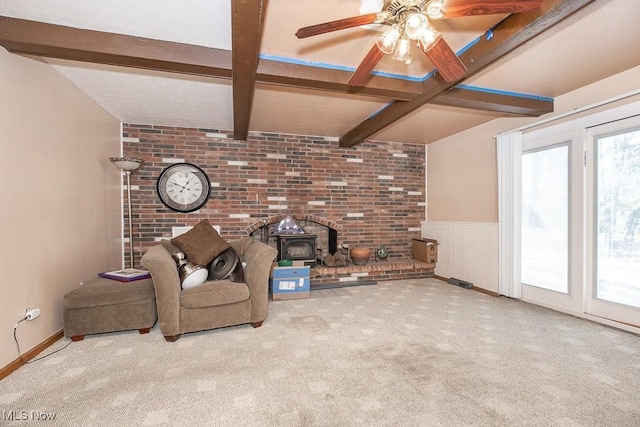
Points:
[(128, 164)]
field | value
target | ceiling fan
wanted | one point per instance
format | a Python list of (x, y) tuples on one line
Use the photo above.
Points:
[(410, 22)]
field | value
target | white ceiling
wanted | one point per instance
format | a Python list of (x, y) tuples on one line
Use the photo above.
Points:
[(597, 42)]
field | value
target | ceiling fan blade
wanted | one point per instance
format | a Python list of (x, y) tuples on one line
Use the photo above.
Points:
[(366, 66), (458, 8), (340, 24), (445, 60)]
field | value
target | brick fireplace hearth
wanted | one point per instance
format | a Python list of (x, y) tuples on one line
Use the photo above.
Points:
[(396, 268)]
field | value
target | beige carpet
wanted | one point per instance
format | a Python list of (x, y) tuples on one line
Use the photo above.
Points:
[(405, 353)]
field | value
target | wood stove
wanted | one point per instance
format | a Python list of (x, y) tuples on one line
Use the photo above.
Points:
[(297, 247)]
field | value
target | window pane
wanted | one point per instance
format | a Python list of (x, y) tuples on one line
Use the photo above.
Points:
[(545, 218), (618, 218)]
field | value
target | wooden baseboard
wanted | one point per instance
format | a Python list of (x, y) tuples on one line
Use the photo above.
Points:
[(20, 361), (475, 288), (486, 291)]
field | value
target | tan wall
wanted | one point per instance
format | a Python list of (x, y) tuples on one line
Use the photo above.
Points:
[(462, 179), (61, 199)]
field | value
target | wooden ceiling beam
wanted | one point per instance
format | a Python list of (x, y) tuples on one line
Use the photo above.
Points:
[(333, 80), (479, 99), (56, 41), (508, 35), (306, 77), (247, 17)]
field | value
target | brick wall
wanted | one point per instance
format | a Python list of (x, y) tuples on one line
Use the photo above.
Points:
[(374, 192)]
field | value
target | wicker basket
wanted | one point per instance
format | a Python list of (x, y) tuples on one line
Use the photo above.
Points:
[(360, 256)]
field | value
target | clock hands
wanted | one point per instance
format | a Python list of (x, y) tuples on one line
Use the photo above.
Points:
[(183, 187)]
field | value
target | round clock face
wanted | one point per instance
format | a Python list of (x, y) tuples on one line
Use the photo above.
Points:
[(184, 187)]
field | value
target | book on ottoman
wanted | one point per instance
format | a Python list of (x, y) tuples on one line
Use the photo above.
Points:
[(126, 274)]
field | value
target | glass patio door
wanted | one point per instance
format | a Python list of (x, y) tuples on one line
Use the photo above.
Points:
[(614, 222), (551, 227)]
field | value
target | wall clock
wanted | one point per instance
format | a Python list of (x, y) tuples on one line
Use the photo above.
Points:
[(184, 187)]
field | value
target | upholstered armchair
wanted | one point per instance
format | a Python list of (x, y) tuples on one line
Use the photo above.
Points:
[(215, 303)]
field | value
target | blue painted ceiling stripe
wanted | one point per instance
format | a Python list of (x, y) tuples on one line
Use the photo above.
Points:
[(336, 67), (397, 76), (488, 35), (352, 69), (404, 77), (468, 46), (504, 92), (387, 105), (310, 63)]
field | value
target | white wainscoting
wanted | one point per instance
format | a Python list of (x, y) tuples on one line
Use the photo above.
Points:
[(467, 251)]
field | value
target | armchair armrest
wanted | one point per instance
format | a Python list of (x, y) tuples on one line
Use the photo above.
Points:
[(259, 258), (166, 283)]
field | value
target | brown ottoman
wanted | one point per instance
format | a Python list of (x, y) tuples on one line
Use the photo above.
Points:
[(105, 305)]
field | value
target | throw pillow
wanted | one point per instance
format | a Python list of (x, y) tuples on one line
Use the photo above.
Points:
[(201, 244)]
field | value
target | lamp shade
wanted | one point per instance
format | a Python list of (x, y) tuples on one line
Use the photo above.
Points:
[(126, 163), (402, 52), (387, 40), (416, 25), (434, 9)]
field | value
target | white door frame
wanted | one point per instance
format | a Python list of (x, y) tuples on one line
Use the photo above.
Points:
[(594, 306), (580, 124), (573, 301)]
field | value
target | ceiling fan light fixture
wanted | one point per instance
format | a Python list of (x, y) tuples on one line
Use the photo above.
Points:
[(402, 52), (416, 25), (386, 41), (410, 22), (434, 9)]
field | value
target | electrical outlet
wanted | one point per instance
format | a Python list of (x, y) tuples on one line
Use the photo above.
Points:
[(32, 313)]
